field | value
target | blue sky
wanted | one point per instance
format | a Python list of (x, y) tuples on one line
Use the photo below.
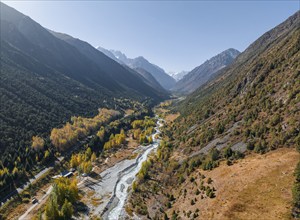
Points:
[(176, 35)]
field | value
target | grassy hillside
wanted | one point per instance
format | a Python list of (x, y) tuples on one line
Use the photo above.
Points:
[(248, 189)]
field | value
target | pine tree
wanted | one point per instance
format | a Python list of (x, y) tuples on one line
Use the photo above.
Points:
[(93, 157), (66, 210), (51, 210)]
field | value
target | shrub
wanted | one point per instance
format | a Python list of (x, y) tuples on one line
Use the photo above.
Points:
[(260, 147), (209, 180), (169, 205), (296, 195), (228, 162), (214, 154), (250, 145), (192, 179), (166, 216), (135, 186), (228, 152), (25, 200)]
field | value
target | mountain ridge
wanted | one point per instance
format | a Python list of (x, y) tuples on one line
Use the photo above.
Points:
[(251, 107), (166, 81), (67, 79), (203, 73), (178, 75)]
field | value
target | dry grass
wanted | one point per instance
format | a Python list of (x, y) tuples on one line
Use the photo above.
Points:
[(257, 187), (96, 201), (131, 143), (129, 111), (133, 156), (22, 208), (162, 110), (171, 117), (90, 193)]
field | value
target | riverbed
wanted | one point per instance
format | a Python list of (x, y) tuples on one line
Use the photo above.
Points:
[(116, 180)]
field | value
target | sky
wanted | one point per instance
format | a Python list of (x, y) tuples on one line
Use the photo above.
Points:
[(175, 35)]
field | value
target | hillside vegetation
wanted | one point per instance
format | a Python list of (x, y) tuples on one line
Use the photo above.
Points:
[(206, 71), (254, 105), (46, 80)]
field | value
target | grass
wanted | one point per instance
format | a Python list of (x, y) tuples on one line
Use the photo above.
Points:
[(90, 193), (96, 201), (257, 187), (133, 156)]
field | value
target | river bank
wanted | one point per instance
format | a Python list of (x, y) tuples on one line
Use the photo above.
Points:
[(106, 196)]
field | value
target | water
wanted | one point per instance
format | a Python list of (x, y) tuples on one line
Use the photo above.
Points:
[(128, 177)]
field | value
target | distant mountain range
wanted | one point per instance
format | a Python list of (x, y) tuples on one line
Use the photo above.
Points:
[(178, 75), (166, 81), (201, 74), (47, 77), (150, 79)]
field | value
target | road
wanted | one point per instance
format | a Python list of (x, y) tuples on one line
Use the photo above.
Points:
[(37, 176), (40, 202), (25, 185)]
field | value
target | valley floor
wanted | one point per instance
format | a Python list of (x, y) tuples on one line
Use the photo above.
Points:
[(257, 187)]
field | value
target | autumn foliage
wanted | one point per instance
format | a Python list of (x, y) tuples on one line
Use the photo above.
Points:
[(83, 161), (80, 127), (63, 195), (115, 140), (37, 143)]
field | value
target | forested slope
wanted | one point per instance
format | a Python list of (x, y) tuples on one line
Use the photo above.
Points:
[(254, 105), (45, 80)]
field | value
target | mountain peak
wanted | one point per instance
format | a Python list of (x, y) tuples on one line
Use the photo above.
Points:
[(119, 55), (141, 58), (232, 52), (178, 75), (201, 74), (166, 81)]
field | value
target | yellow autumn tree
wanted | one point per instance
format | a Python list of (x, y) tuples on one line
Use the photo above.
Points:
[(93, 157), (38, 143), (80, 127), (101, 133)]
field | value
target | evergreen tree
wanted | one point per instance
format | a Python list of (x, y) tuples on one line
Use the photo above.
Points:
[(51, 210), (66, 210)]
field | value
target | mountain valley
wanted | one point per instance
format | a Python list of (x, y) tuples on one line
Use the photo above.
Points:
[(88, 133), (227, 119)]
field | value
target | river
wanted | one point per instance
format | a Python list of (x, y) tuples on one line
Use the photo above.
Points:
[(116, 211)]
